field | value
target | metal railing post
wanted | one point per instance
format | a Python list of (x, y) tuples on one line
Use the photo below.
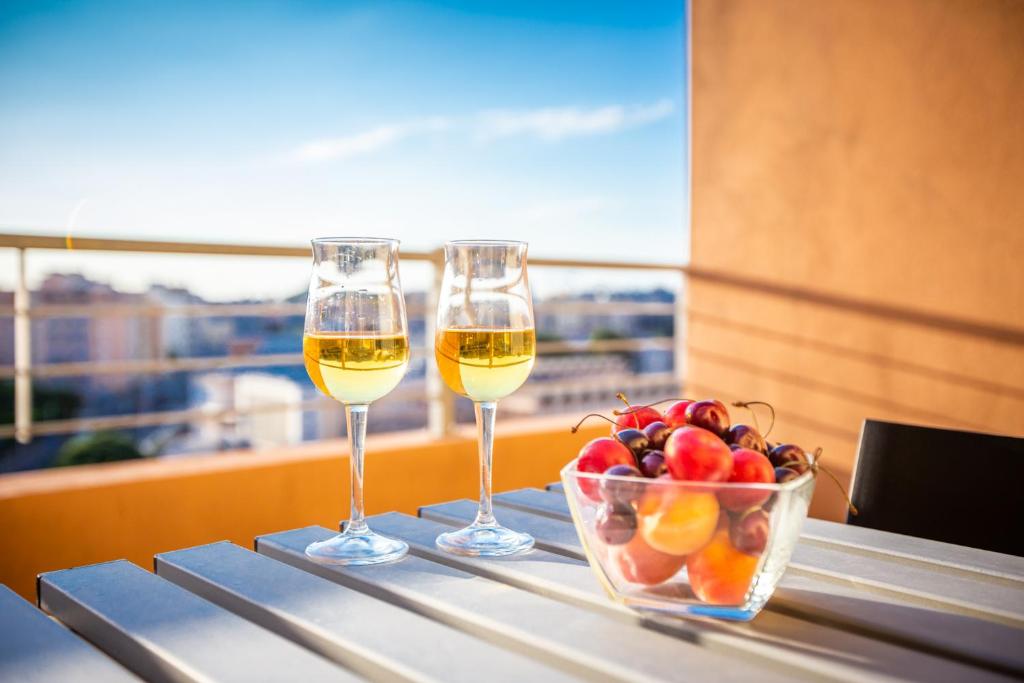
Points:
[(679, 333), (22, 354), (440, 401)]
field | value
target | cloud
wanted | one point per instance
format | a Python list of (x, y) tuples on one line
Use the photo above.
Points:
[(369, 140), (557, 123), (549, 124)]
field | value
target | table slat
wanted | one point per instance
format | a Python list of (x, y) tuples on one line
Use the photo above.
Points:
[(369, 636), (36, 649), (772, 640), (899, 545), (824, 598), (560, 634), (162, 632)]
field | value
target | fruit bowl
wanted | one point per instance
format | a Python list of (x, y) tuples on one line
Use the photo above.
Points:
[(702, 548)]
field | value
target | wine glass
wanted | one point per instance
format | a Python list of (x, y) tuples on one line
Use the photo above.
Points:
[(356, 349), (485, 348)]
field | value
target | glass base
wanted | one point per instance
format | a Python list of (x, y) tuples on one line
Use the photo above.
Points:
[(485, 541), (357, 549)]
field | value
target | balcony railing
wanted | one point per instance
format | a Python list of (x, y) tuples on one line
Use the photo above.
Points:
[(440, 402)]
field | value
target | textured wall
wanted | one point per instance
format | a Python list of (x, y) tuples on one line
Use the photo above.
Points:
[(858, 214)]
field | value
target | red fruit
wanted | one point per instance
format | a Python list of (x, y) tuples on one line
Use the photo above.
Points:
[(711, 415), (675, 416), (597, 456), (636, 418), (748, 466), (640, 563), (696, 454)]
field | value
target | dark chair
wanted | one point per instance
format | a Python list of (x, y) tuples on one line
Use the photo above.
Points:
[(958, 487)]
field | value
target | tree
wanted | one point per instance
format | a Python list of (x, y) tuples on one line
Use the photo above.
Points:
[(96, 447), (47, 404)]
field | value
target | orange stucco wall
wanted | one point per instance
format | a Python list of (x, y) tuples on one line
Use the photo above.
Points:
[(858, 209), (54, 519)]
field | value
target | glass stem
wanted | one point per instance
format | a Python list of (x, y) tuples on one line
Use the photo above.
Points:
[(355, 419), (485, 411)]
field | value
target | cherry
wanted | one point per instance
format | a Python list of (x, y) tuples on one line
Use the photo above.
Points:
[(748, 466), (635, 418), (621, 492), (597, 456), (653, 464), (615, 524), (698, 455), (789, 455), (657, 433), (711, 415), (784, 474), (748, 533), (675, 415), (745, 436), (633, 439)]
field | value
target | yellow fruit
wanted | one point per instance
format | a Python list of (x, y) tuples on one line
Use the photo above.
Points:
[(677, 522)]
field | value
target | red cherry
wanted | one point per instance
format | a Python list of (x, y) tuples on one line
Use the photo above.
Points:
[(675, 416), (711, 415), (597, 456), (636, 418), (748, 466), (697, 455)]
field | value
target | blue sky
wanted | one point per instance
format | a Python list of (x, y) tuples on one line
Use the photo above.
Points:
[(558, 123)]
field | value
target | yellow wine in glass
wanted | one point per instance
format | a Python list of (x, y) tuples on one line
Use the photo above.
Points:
[(485, 346), (354, 368), (484, 365), (355, 345)]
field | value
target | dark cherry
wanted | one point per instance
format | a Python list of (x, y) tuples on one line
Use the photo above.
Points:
[(791, 456), (621, 492), (633, 439), (747, 437), (616, 524), (784, 474), (711, 415), (657, 433), (653, 464), (748, 533)]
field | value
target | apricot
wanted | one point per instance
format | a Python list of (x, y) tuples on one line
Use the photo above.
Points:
[(719, 573), (640, 563), (677, 522)]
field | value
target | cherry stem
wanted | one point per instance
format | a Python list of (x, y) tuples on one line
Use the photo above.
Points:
[(587, 417), (817, 465), (629, 409), (649, 405), (747, 404)]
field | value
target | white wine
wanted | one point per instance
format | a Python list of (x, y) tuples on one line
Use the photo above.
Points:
[(485, 365), (355, 369)]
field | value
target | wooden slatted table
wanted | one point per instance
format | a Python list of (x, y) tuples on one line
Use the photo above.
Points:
[(855, 605)]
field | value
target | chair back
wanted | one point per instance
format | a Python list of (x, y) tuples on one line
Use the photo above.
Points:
[(946, 485)]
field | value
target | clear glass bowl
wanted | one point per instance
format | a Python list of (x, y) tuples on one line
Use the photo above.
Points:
[(697, 548)]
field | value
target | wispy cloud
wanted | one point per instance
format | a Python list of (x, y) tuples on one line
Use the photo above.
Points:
[(368, 141), (557, 123), (549, 124)]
